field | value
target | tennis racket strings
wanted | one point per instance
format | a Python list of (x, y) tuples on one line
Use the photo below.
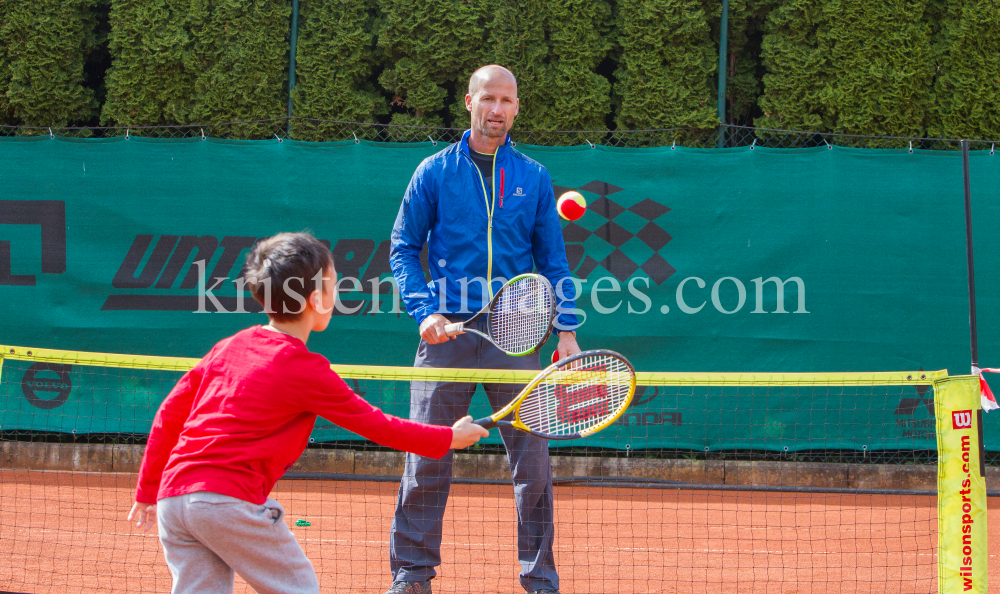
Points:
[(521, 317), (580, 398)]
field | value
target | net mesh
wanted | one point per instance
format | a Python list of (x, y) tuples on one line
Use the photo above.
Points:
[(522, 315), (579, 397), (707, 483)]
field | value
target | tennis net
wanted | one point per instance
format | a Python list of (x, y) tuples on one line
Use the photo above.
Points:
[(708, 483)]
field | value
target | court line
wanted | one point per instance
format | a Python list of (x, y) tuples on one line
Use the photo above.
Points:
[(385, 543), (466, 545)]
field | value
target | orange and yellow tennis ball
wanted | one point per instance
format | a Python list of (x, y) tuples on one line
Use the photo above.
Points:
[(571, 206)]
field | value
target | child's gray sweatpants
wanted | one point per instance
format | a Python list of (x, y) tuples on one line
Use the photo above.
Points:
[(206, 536)]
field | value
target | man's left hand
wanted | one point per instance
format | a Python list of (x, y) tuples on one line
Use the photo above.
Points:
[(567, 345)]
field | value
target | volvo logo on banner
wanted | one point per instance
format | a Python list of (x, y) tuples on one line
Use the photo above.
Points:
[(38, 379)]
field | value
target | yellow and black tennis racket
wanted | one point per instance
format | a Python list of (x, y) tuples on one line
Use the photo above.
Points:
[(576, 397)]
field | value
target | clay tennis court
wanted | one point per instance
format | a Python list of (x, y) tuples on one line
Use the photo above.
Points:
[(65, 532)]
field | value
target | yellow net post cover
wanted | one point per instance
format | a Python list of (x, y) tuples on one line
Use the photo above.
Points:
[(962, 536)]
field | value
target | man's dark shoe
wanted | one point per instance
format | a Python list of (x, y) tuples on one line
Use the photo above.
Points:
[(544, 592), (410, 588)]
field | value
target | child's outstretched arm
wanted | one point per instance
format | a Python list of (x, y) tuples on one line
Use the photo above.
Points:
[(323, 392)]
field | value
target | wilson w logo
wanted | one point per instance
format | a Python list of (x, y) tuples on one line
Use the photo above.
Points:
[(961, 419)]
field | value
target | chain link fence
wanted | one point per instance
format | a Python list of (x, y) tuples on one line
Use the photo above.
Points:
[(316, 130)]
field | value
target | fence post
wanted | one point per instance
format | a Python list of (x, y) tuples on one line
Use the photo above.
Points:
[(723, 50), (969, 254), (291, 61)]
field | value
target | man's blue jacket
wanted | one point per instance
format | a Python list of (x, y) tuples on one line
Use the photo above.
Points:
[(474, 233)]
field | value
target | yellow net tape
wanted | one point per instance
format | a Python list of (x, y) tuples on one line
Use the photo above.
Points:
[(888, 378)]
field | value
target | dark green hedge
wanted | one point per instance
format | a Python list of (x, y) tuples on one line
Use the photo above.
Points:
[(6, 110), (899, 67), (335, 58), (880, 77), (240, 56), (555, 47), (430, 48), (744, 68), (667, 64), (797, 66), (152, 76), (967, 88), (517, 40), (198, 61), (45, 46), (849, 66), (576, 97)]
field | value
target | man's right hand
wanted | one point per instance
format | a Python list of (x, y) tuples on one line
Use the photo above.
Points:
[(432, 329)]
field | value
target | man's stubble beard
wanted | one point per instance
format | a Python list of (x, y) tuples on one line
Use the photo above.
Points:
[(483, 128)]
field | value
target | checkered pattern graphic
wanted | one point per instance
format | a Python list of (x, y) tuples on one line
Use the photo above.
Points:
[(621, 261), (908, 406)]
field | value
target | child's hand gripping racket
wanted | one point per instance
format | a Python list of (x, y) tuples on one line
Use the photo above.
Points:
[(519, 318), (575, 397)]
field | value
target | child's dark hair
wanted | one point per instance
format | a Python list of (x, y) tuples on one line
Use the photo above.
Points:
[(282, 271)]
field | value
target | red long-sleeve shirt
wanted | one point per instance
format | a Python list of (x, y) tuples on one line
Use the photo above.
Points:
[(241, 417)]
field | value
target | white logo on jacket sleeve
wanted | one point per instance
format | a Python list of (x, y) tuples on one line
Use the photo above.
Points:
[(519, 192)]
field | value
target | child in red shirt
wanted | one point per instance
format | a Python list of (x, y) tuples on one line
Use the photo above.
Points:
[(235, 423)]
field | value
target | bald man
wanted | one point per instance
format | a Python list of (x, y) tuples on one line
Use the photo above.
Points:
[(486, 213)]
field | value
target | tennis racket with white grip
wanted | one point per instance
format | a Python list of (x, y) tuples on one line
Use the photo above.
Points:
[(519, 317)]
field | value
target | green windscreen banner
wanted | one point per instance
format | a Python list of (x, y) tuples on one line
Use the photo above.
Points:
[(736, 260)]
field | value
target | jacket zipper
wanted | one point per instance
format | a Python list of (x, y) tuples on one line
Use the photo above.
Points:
[(489, 214)]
